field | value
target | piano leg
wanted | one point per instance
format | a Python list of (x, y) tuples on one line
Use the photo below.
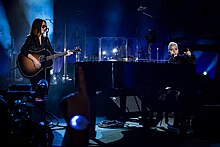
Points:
[(147, 107), (93, 99), (123, 97)]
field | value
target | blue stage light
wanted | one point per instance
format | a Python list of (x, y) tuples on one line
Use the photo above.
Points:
[(79, 122)]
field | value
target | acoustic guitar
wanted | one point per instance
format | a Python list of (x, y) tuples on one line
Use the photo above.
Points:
[(26, 65)]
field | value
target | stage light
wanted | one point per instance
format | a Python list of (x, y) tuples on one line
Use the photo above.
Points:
[(104, 53), (79, 122), (114, 50), (41, 90), (43, 9), (205, 73), (5, 29)]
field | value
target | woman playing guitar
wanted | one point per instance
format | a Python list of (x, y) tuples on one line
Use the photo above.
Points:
[(32, 60)]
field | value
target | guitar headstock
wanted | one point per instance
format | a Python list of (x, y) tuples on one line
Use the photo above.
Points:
[(77, 49)]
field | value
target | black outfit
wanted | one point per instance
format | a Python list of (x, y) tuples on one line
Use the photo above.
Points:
[(32, 45), (172, 99), (183, 59), (41, 51)]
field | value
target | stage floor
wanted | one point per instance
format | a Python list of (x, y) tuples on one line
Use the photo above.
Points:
[(134, 134)]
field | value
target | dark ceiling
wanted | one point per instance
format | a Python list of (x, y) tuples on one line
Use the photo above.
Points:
[(185, 21)]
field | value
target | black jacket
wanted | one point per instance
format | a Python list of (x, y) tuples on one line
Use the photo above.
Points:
[(32, 45), (183, 59)]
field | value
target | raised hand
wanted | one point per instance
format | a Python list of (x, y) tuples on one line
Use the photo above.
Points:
[(188, 52)]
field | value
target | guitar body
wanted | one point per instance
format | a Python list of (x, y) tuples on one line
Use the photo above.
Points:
[(26, 65)]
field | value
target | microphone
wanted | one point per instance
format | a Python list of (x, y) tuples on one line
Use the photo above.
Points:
[(140, 8), (47, 30)]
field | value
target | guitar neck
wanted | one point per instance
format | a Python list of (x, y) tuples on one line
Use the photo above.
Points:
[(56, 55)]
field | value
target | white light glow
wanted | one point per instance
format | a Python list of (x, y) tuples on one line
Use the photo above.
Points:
[(114, 50)]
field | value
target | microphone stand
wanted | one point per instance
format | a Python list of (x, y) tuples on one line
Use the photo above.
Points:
[(149, 42), (13, 60), (45, 56), (42, 104), (137, 44), (149, 52), (65, 75), (147, 14)]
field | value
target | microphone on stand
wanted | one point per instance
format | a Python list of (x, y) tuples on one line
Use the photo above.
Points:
[(46, 31), (171, 54), (140, 8)]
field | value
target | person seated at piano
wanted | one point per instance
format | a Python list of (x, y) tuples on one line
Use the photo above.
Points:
[(176, 57), (171, 98)]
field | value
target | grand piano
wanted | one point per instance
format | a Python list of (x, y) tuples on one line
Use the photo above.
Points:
[(114, 74), (139, 78)]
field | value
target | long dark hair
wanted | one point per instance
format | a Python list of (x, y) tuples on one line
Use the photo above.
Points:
[(36, 27)]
